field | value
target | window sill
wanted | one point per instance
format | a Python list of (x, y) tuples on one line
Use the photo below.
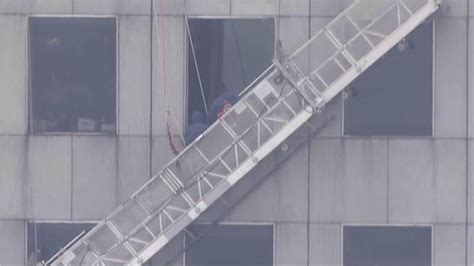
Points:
[(107, 134)]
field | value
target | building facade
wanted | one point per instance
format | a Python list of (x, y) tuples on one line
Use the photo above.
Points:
[(389, 166)]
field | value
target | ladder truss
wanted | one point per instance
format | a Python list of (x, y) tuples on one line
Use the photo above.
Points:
[(274, 107)]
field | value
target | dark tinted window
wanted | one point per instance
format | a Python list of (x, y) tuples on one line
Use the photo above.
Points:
[(73, 74), (230, 54), (48, 238), (394, 96), (387, 246), (233, 245)]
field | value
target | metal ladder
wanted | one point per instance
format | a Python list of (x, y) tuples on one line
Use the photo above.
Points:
[(275, 106)]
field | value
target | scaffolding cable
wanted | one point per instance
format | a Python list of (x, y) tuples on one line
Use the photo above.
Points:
[(239, 54), (196, 65)]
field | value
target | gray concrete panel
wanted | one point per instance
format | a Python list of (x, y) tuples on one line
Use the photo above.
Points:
[(327, 8), (36, 7), (123, 7), (291, 242), (449, 244), (427, 181), (168, 7), (12, 177), (454, 8), (291, 188), (332, 116), (470, 247), (161, 153), (208, 7), (294, 7), (168, 72), (94, 179), (325, 244), (134, 75), (193, 7), (219, 210), (49, 175), (294, 32), (471, 180), (168, 255), (133, 165), (329, 122), (258, 205), (12, 243), (471, 78), (348, 180), (13, 56), (450, 77), (252, 7), (317, 24), (450, 181)]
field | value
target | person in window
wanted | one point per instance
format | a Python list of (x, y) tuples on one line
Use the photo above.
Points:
[(221, 105), (196, 128)]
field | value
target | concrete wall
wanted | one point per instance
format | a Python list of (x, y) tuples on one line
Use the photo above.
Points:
[(330, 182)]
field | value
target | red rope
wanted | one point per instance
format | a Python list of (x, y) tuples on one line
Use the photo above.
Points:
[(162, 40), (173, 147)]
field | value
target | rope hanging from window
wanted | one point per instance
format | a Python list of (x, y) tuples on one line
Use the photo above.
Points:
[(161, 38), (169, 114)]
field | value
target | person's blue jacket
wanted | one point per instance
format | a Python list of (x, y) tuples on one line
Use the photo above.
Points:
[(196, 128), (219, 104)]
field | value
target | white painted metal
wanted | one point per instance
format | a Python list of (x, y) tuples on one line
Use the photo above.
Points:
[(275, 107)]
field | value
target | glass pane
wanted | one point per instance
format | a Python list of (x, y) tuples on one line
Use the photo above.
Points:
[(394, 96), (236, 245), (371, 246), (73, 74), (230, 54), (49, 238)]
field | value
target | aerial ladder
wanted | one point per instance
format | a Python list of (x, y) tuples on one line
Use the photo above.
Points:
[(280, 101)]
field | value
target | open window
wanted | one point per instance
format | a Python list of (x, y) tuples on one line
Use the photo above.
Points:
[(72, 74), (230, 54), (395, 96), (387, 245), (44, 240), (236, 245)]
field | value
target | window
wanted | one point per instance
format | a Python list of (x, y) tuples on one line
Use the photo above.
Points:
[(44, 240), (386, 246), (230, 54), (394, 96), (233, 245), (73, 74)]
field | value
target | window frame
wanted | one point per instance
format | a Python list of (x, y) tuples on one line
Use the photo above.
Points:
[(186, 52), (273, 225), (30, 130), (433, 95), (50, 222), (394, 225)]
